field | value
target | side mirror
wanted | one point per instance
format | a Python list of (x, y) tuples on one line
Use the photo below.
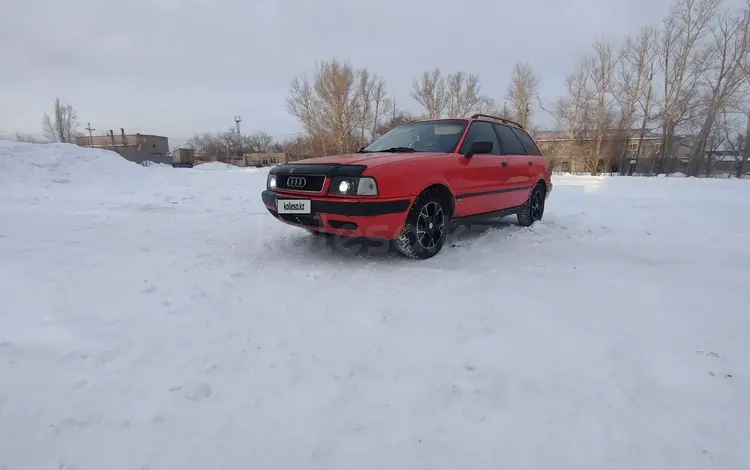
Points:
[(479, 147)]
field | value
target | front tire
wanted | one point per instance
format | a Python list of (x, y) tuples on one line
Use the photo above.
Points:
[(426, 227), (533, 209)]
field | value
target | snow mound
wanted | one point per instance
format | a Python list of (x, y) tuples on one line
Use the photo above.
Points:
[(46, 164), (158, 165), (215, 166)]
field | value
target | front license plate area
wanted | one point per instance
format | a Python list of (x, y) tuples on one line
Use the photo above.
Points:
[(293, 206)]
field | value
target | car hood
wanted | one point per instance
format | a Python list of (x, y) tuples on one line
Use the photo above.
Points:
[(368, 159)]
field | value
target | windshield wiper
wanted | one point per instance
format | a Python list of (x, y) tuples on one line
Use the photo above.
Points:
[(400, 150), (390, 150)]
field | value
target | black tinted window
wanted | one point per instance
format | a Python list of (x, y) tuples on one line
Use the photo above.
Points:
[(481, 132), (528, 144), (511, 144)]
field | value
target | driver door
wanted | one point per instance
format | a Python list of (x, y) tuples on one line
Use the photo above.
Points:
[(479, 180)]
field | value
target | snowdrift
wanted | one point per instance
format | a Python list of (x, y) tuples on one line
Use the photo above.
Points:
[(157, 319), (47, 164), (215, 166)]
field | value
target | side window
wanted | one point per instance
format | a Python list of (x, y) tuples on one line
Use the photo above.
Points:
[(481, 131), (528, 144), (511, 144)]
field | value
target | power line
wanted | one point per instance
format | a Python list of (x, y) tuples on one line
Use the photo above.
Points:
[(91, 138)]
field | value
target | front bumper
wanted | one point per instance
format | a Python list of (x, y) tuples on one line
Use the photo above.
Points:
[(380, 219)]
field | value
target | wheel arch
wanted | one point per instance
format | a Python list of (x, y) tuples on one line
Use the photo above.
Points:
[(543, 184), (445, 192)]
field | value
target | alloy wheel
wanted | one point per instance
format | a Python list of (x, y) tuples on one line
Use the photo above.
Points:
[(537, 204), (430, 225)]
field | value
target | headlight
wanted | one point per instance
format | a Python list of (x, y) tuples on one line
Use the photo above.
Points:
[(271, 181), (352, 186)]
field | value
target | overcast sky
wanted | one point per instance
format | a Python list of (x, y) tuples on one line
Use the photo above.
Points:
[(177, 67)]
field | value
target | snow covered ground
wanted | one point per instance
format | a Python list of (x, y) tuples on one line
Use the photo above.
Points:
[(159, 318)]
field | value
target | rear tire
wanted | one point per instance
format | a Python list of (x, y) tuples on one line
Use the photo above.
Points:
[(426, 227), (533, 208)]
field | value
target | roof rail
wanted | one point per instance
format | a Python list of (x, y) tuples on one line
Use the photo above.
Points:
[(506, 121)]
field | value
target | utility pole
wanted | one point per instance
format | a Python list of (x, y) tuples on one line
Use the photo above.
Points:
[(91, 139), (237, 121)]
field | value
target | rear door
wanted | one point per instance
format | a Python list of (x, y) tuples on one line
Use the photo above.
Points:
[(480, 178), (518, 169)]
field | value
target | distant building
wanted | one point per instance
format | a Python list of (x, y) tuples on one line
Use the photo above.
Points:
[(619, 152), (619, 148), (137, 148), (266, 158), (183, 157), (249, 158)]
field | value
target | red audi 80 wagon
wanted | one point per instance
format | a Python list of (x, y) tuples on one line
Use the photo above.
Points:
[(415, 183)]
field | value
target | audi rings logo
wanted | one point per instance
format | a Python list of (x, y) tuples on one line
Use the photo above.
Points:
[(296, 182)]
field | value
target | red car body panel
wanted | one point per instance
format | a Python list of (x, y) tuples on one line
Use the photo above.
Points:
[(481, 184)]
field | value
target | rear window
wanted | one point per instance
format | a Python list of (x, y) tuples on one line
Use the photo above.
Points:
[(528, 143), (509, 141)]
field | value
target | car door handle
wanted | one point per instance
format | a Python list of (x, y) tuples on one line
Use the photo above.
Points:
[(529, 163), (504, 163)]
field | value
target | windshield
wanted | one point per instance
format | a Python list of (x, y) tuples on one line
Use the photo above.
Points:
[(431, 136)]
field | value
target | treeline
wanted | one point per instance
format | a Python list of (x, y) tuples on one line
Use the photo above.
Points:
[(343, 108), (231, 144), (685, 78)]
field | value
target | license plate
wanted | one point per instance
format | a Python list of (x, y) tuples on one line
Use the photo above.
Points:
[(293, 206)]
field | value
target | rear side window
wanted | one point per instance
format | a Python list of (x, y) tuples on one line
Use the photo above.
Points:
[(481, 131), (528, 144), (511, 144)]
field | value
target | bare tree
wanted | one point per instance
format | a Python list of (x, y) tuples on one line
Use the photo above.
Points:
[(521, 92), (63, 125), (743, 150), (724, 58), (27, 138), (683, 64), (571, 111), (374, 104), (303, 104), (340, 104), (633, 86), (431, 93), (221, 145), (365, 92), (462, 91), (382, 105), (601, 80), (259, 142), (331, 108), (646, 106)]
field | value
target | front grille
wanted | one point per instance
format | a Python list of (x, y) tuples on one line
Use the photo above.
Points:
[(307, 183), (302, 220)]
